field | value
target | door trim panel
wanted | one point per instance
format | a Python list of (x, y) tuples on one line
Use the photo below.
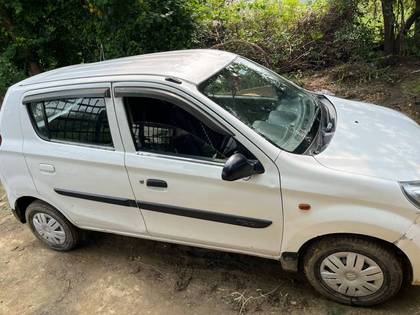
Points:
[(167, 209)]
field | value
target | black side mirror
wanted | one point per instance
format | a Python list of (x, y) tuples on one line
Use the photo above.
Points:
[(238, 166)]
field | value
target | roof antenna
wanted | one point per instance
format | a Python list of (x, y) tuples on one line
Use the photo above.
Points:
[(101, 53)]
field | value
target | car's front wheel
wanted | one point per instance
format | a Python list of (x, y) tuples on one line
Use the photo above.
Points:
[(51, 227), (353, 271)]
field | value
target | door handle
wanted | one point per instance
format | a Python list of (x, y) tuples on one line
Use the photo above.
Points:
[(156, 183), (46, 168)]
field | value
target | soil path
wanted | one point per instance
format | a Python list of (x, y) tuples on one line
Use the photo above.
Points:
[(111, 274)]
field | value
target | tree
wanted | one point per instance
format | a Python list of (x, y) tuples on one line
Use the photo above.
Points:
[(38, 35), (389, 25), (395, 32), (134, 27), (417, 30)]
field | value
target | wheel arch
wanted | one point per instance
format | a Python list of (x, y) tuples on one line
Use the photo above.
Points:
[(406, 264), (22, 203)]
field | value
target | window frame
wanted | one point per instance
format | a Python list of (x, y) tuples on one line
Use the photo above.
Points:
[(72, 93), (170, 154), (121, 90)]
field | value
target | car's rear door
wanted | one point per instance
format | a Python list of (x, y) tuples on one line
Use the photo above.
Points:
[(183, 198), (74, 153)]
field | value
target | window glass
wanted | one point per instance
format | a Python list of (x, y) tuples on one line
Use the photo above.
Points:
[(162, 127), (80, 120), (38, 115), (273, 107)]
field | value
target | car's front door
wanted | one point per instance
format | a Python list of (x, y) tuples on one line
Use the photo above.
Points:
[(175, 154)]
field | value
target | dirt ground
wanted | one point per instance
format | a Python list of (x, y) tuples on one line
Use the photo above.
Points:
[(111, 274), (397, 87)]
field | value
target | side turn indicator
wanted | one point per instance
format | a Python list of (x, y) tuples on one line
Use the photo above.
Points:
[(304, 206)]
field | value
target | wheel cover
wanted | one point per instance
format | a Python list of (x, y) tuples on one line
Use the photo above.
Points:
[(351, 274), (49, 228)]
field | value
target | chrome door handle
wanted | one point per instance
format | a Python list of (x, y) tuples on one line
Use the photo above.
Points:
[(46, 168)]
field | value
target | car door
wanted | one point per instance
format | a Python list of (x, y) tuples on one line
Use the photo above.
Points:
[(74, 153), (181, 194)]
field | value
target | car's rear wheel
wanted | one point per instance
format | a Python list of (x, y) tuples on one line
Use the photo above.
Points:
[(353, 271), (51, 227)]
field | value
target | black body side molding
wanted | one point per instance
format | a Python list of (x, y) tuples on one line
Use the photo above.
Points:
[(99, 198), (206, 215), (185, 212)]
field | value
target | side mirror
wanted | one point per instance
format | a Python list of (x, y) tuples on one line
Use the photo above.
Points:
[(238, 166)]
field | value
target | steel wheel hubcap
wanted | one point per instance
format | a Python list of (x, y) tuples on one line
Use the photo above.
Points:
[(49, 228), (351, 274)]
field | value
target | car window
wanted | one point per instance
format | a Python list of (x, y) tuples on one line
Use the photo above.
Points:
[(162, 127), (275, 108), (80, 120)]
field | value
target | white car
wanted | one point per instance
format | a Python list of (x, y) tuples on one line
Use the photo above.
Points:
[(209, 149)]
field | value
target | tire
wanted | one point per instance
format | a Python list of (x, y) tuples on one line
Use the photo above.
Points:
[(351, 282), (51, 227)]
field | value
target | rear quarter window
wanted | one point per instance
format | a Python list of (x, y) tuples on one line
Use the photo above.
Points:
[(78, 120)]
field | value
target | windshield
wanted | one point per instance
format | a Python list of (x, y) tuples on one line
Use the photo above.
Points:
[(275, 108)]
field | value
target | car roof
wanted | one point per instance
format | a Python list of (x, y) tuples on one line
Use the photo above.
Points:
[(193, 65)]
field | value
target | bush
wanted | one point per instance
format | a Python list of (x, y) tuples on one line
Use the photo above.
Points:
[(286, 35), (38, 35), (132, 27), (290, 34), (331, 38), (360, 72), (9, 73)]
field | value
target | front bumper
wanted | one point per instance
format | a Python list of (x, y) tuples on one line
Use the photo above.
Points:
[(409, 243)]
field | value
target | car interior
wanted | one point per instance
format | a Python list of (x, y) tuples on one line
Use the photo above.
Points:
[(271, 117), (162, 127)]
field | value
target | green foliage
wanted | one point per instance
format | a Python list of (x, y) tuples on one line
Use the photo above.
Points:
[(412, 46), (9, 73), (38, 35), (287, 35), (44, 32), (134, 27), (412, 87), (402, 11), (360, 72)]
